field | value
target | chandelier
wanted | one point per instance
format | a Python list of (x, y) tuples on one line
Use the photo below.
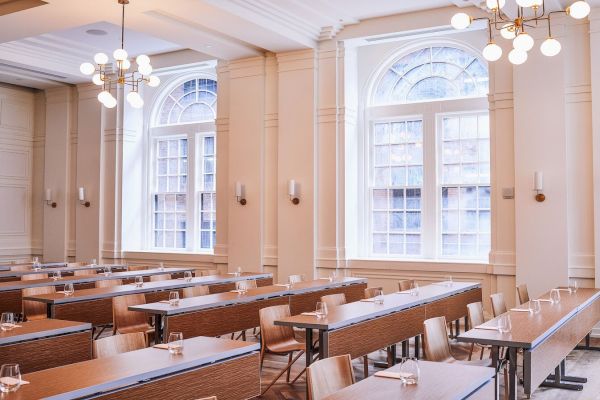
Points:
[(103, 74), (530, 14)]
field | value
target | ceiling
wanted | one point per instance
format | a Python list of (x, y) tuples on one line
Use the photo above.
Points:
[(43, 46)]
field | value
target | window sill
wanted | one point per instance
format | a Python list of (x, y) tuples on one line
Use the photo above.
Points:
[(442, 266), (423, 260), (166, 255)]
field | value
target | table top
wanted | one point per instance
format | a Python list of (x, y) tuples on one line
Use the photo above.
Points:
[(18, 285), (358, 311), (528, 329), (121, 290), (105, 374), (436, 381), (62, 269), (6, 267), (199, 303), (43, 328)]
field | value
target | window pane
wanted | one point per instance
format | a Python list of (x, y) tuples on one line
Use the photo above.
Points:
[(192, 101)]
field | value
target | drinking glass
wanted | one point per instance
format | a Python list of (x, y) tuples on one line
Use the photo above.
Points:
[(238, 271), (56, 275), (139, 281), (555, 296), (241, 287), (294, 279), (93, 262), (334, 276), (504, 324), (187, 275), (36, 264), (10, 378), (410, 371), (176, 343), (161, 266), (35, 260), (379, 297), (573, 286), (107, 270), (69, 289), (535, 306), (321, 309), (448, 281), (174, 298), (414, 289), (7, 321)]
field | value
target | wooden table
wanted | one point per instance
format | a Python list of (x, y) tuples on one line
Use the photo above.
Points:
[(8, 276), (208, 367), (546, 339), (224, 313), (10, 292), (95, 305), (6, 267), (360, 328), (44, 344), (436, 381)]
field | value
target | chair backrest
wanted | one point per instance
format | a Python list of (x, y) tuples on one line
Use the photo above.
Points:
[(83, 272), (195, 291), (21, 267), (123, 318), (270, 333), (475, 313), (109, 283), (34, 310), (436, 344), (137, 267), (333, 300), (405, 284), (523, 293), (498, 304), (161, 277), (76, 264), (34, 277), (209, 272), (117, 344), (372, 292), (329, 375)]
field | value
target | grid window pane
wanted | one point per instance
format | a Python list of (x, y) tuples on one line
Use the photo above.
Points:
[(207, 195), (193, 101)]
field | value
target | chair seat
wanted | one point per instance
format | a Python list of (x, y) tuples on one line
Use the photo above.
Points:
[(286, 346)]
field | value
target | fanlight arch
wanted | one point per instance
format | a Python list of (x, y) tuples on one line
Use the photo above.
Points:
[(193, 101)]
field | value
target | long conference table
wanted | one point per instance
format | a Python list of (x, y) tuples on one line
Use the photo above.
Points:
[(223, 313), (6, 276), (7, 267), (208, 367), (10, 292), (95, 305), (546, 339), (48, 343), (362, 327)]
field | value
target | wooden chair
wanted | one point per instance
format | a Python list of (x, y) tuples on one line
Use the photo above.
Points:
[(372, 292), (125, 321), (161, 277), (333, 300), (76, 264), (35, 310), (113, 345), (34, 277), (195, 291), (475, 313), (327, 376), (405, 284), (498, 304), (523, 293), (21, 267), (279, 340), (108, 283), (137, 267), (84, 272), (209, 272)]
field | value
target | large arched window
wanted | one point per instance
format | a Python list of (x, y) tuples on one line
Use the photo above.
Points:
[(428, 157), (183, 152)]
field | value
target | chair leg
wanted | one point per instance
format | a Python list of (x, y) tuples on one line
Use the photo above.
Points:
[(262, 356), (481, 354), (366, 366), (471, 351), (287, 378), (298, 376), (283, 371), (506, 389)]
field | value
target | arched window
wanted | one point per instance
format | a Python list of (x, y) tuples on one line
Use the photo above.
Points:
[(183, 154), (428, 158)]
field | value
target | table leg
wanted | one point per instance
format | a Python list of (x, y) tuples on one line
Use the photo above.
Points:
[(512, 373), (457, 323), (587, 345), (466, 323), (323, 351), (558, 378), (49, 310), (391, 355), (309, 347), (158, 331), (417, 346), (405, 348), (495, 356)]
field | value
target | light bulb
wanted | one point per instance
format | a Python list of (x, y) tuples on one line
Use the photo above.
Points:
[(550, 47), (120, 55), (460, 21), (517, 57), (87, 68), (142, 59), (145, 69), (525, 3), (97, 79), (492, 52), (101, 58), (153, 81), (110, 102), (104, 96), (579, 9), (125, 64), (135, 100), (523, 42), (494, 4), (508, 31)]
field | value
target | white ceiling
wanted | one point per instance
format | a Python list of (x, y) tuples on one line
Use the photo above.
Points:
[(44, 46)]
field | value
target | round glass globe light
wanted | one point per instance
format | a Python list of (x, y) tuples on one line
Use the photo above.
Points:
[(97, 79), (579, 9), (87, 68), (525, 3), (101, 58), (125, 64), (508, 32), (104, 96), (460, 21), (153, 81), (110, 103), (523, 42), (517, 57), (550, 47), (145, 69), (142, 59), (492, 52), (494, 4), (537, 3), (120, 55)]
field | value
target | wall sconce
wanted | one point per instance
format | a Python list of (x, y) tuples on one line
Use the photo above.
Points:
[(239, 193), (294, 198), (538, 186), (82, 199), (48, 199)]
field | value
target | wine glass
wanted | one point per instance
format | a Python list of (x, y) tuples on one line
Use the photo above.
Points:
[(35, 260), (10, 378), (379, 297), (93, 262), (555, 296), (535, 306), (410, 371), (107, 270), (161, 266), (448, 281), (321, 309), (573, 286), (174, 298), (7, 321), (187, 275), (241, 287), (139, 281), (36, 264), (176, 343), (69, 289), (238, 271), (414, 289), (504, 324), (56, 275)]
